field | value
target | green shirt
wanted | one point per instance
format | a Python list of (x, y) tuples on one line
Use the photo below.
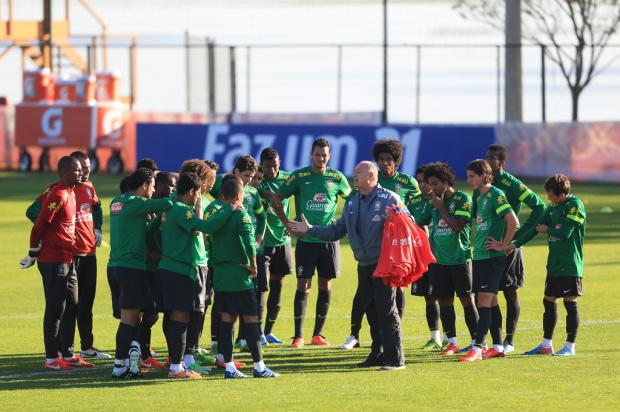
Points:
[(254, 206), (275, 233), (231, 247), (402, 184), (201, 256), (516, 193), (316, 195), (178, 252), (565, 235), (153, 241), (128, 228), (420, 209), (489, 210), (452, 248), (216, 190)]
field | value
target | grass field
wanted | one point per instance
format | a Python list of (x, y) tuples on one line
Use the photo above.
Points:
[(325, 379)]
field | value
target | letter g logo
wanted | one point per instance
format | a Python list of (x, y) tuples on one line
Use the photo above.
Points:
[(51, 122)]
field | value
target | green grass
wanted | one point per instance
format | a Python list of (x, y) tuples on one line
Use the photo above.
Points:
[(325, 379)]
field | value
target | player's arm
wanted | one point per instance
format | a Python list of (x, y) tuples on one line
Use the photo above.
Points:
[(505, 244), (34, 209), (414, 188), (528, 230), (344, 190), (152, 205), (246, 234), (329, 233), (456, 221), (51, 206), (214, 222), (574, 218), (261, 222), (285, 191)]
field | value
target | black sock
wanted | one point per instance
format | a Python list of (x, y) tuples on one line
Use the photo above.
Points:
[(322, 307), (448, 320), (215, 324), (483, 325), (471, 319), (432, 316), (252, 333), (124, 336), (299, 310), (496, 325), (192, 331), (273, 304), (357, 315), (513, 310), (241, 334), (164, 327), (225, 342), (260, 308), (177, 332), (400, 302), (572, 320), (550, 318), (144, 338)]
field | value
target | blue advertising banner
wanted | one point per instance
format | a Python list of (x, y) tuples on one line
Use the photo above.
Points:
[(171, 144)]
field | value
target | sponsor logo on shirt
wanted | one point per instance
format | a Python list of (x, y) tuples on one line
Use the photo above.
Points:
[(376, 218), (116, 207), (330, 184), (318, 203), (85, 208), (451, 207), (377, 205)]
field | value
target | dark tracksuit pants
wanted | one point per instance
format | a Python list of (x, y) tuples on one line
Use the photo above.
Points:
[(379, 301)]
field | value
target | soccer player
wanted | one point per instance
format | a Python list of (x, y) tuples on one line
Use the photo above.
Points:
[(127, 265), (52, 241), (89, 219), (277, 244), (420, 207), (514, 277), (258, 178), (494, 219), (177, 269), (316, 189), (233, 255), (148, 163), (564, 223), (450, 240)]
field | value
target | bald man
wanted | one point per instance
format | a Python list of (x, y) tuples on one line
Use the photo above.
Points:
[(362, 219)]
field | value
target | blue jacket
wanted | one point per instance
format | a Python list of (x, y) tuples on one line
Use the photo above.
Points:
[(362, 219)]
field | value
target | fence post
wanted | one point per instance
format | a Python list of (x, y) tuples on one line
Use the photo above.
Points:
[(188, 81), (543, 83), (417, 82), (499, 83), (233, 78), (248, 71), (211, 73), (339, 80)]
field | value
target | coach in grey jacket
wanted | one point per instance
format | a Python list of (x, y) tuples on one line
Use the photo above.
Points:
[(362, 219)]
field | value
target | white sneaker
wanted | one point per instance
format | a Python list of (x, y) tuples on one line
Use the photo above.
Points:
[(95, 353), (350, 343), (508, 348)]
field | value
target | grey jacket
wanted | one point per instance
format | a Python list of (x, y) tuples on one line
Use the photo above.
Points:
[(362, 219)]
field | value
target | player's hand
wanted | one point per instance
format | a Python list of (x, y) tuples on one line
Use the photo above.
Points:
[(31, 257), (237, 206), (542, 228), (298, 229), (493, 244), (98, 237), (267, 193), (259, 241), (438, 200), (252, 270)]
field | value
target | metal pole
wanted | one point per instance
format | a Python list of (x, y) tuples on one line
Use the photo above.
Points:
[(499, 82), (47, 34), (248, 71), (233, 78), (384, 115), (417, 82), (339, 80), (211, 49), (188, 82), (132, 72), (543, 83)]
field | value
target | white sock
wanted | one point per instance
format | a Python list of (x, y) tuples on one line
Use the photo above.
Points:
[(67, 358), (188, 359), (435, 336), (453, 341), (50, 360), (119, 369), (219, 357), (546, 343), (477, 349), (259, 366), (445, 336), (242, 342), (570, 345), (498, 348), (230, 367), (175, 367)]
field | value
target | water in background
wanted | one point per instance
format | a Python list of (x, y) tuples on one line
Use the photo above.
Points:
[(456, 84)]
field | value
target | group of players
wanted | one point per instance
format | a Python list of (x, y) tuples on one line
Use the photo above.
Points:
[(172, 248)]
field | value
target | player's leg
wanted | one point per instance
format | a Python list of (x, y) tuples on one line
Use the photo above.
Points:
[(66, 333), (328, 268), (571, 290), (388, 321), (306, 256), (550, 318), (87, 289), (513, 279), (463, 283), (358, 308), (192, 358), (279, 262), (401, 301), (247, 307), (431, 305), (55, 292), (366, 296)]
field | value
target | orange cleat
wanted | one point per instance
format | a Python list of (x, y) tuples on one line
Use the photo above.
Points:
[(451, 349), (492, 353), (319, 340), (297, 343), (58, 365), (78, 362), (184, 374), (151, 363), (471, 356), (219, 362)]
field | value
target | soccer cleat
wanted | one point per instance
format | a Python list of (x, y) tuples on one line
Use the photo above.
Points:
[(263, 340), (540, 350), (219, 362), (151, 363), (134, 360), (234, 375), (214, 348), (272, 339), (267, 373), (78, 362), (451, 349), (204, 358), (492, 353), (184, 374), (153, 353), (468, 348), (59, 364), (432, 344), (508, 348), (95, 353), (350, 343), (371, 360), (297, 343), (565, 351), (120, 375), (319, 340), (471, 356), (392, 367), (199, 369), (444, 345)]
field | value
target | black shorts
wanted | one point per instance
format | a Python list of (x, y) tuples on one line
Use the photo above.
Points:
[(563, 286), (279, 259), (324, 257), (488, 274), (154, 282), (421, 287), (514, 272), (179, 291), (200, 287), (237, 303), (260, 282), (209, 291), (129, 288), (446, 280)]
